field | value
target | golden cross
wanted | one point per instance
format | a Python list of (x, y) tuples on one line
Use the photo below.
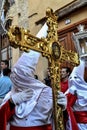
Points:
[(52, 50)]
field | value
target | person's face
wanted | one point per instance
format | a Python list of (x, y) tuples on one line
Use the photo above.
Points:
[(3, 65), (63, 73)]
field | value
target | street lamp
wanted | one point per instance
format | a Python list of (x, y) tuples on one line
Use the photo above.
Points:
[(80, 40)]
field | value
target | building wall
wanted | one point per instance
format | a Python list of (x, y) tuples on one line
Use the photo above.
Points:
[(26, 13), (37, 10), (19, 14), (73, 17)]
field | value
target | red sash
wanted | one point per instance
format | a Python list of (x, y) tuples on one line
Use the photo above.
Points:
[(6, 112), (44, 127), (71, 100), (81, 116)]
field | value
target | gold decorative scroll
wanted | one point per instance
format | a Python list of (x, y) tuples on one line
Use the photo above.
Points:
[(50, 48)]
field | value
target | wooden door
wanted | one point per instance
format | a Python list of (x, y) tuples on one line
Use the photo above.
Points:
[(65, 39), (67, 42)]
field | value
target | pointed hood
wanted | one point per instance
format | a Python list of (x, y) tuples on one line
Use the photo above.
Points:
[(26, 64), (79, 70), (76, 79)]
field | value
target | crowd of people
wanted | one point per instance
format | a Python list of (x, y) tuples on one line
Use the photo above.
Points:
[(29, 103)]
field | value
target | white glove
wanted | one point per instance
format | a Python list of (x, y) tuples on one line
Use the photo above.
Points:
[(23, 96), (62, 100)]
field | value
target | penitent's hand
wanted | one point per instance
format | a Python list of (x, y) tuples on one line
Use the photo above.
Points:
[(23, 96), (62, 100)]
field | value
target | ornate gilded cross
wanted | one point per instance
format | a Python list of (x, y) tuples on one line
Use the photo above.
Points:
[(52, 50)]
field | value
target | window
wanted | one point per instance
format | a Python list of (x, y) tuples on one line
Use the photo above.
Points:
[(4, 41), (6, 53), (8, 24)]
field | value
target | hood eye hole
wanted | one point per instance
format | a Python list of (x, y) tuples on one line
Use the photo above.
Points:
[(74, 77)]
